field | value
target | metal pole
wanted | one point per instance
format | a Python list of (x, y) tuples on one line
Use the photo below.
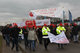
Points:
[(63, 17), (44, 17)]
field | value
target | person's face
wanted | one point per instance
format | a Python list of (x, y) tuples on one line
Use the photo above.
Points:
[(44, 26), (8, 25), (61, 26), (31, 28), (15, 26)]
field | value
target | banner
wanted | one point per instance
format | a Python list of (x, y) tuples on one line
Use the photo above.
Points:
[(61, 38), (45, 12), (22, 36), (50, 12), (78, 22), (42, 22)]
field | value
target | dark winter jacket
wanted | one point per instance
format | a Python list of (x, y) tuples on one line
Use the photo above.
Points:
[(75, 30), (25, 32), (6, 30), (15, 32)]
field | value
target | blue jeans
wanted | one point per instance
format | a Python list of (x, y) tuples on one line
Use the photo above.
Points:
[(7, 38), (32, 44)]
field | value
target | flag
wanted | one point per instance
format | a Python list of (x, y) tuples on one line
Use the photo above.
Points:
[(70, 17)]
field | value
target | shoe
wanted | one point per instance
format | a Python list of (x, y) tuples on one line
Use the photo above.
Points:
[(33, 49), (76, 42), (17, 50), (11, 48), (62, 48), (46, 49)]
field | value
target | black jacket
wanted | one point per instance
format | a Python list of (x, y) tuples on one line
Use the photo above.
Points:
[(39, 32), (75, 30), (6, 30), (25, 32), (15, 32)]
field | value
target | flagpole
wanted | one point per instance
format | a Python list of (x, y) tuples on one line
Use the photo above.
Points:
[(44, 17), (63, 16)]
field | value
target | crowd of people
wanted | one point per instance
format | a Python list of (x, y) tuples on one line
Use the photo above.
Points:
[(39, 34)]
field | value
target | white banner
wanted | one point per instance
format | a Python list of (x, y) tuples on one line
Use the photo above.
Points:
[(22, 36), (45, 12), (78, 23), (42, 22), (61, 38), (50, 12)]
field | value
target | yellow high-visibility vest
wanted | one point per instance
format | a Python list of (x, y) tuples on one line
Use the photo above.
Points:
[(59, 29), (21, 31), (45, 30)]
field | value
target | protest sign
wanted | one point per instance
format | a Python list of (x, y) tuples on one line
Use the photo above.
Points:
[(22, 36), (49, 12), (42, 22), (61, 38)]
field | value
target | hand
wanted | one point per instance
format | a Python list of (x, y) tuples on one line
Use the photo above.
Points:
[(37, 41), (63, 30), (60, 30), (48, 31)]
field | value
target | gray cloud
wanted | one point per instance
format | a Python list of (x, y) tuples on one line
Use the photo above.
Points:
[(21, 8)]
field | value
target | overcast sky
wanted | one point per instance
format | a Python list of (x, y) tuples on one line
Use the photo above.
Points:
[(20, 8)]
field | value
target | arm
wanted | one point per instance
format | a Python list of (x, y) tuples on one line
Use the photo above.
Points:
[(36, 37)]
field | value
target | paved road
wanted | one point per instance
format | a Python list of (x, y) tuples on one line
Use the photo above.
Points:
[(0, 34), (6, 49), (52, 48)]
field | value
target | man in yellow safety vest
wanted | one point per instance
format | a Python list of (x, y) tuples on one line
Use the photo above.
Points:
[(45, 29), (59, 29)]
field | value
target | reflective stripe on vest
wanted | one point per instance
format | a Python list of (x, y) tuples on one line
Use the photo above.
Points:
[(59, 29), (44, 31)]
